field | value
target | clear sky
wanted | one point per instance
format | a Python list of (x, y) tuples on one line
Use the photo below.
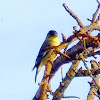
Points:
[(23, 28)]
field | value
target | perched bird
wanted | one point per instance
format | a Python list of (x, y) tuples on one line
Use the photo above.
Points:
[(51, 40)]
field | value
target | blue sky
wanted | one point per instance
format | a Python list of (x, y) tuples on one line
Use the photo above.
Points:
[(23, 28)]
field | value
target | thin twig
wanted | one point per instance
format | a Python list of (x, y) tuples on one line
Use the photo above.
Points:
[(95, 82), (98, 19), (73, 15), (71, 97), (95, 14), (62, 74), (63, 37)]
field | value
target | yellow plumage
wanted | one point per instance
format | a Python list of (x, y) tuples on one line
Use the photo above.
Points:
[(51, 40)]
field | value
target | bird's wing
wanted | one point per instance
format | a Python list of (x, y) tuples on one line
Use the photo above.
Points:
[(42, 53), (40, 57)]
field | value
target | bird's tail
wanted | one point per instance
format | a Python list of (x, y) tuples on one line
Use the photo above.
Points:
[(36, 74), (37, 71), (33, 68)]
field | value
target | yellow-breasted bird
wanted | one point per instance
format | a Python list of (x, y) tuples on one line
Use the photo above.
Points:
[(51, 40)]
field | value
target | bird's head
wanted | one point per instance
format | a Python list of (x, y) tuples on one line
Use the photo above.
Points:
[(52, 34)]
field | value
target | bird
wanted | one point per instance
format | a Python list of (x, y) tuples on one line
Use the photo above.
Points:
[(51, 40)]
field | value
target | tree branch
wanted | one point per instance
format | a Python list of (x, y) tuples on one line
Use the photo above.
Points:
[(73, 15), (93, 84), (58, 94)]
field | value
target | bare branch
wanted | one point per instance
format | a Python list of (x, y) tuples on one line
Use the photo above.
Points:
[(63, 37), (98, 19), (95, 14), (66, 81), (84, 73), (71, 97), (73, 15), (93, 84)]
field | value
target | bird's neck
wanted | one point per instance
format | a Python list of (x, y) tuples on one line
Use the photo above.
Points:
[(53, 39)]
